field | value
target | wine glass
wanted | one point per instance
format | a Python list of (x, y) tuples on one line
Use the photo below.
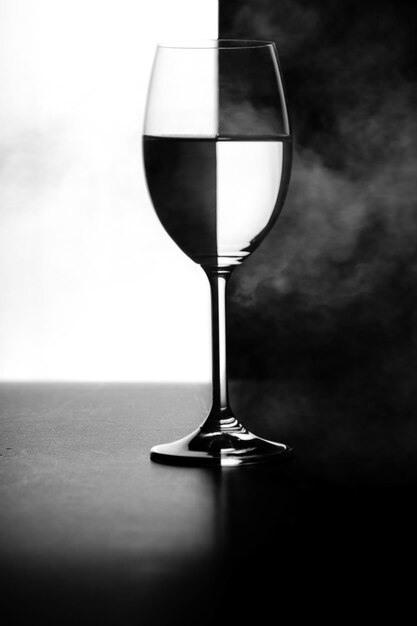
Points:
[(217, 153)]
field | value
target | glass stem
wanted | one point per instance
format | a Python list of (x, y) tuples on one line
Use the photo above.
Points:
[(220, 414)]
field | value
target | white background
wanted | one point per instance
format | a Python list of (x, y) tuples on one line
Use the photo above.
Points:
[(91, 287)]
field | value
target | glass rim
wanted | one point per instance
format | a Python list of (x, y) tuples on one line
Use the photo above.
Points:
[(216, 44)]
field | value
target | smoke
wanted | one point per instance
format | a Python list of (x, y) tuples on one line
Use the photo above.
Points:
[(288, 23), (343, 232), (325, 311)]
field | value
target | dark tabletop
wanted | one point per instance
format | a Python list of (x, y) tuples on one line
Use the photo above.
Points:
[(93, 532)]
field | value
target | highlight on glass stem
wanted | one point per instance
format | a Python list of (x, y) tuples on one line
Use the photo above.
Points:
[(217, 153)]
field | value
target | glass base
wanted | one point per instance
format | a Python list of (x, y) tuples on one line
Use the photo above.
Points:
[(227, 445)]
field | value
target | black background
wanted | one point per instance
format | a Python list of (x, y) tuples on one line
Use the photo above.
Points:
[(323, 316)]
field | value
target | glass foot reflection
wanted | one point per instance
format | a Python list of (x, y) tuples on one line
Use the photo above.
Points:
[(228, 445)]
